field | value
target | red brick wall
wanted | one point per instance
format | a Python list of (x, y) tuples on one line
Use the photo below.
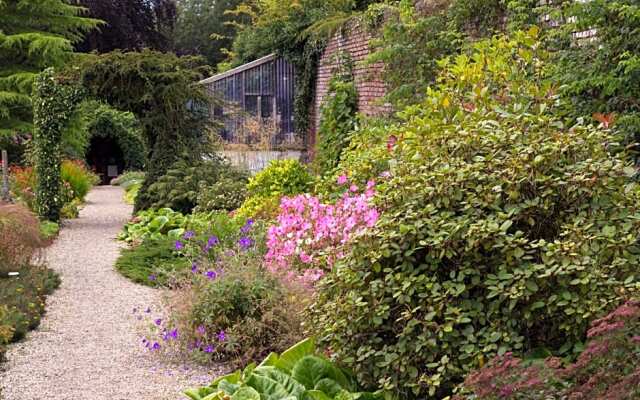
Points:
[(369, 84)]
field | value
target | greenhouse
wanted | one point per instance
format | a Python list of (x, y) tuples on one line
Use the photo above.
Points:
[(256, 104)]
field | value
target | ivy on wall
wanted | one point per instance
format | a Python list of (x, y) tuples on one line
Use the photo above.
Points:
[(54, 103), (338, 114)]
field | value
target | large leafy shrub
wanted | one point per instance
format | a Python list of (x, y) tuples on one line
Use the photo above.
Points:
[(227, 194), (607, 369), (178, 189), (501, 229), (299, 373), (280, 178)]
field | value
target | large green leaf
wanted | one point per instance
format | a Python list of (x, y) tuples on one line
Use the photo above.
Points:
[(310, 370), (270, 361), (317, 395), (246, 393), (290, 357), (158, 223), (274, 384)]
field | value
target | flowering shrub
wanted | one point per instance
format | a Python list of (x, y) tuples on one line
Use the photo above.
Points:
[(228, 308), (608, 369), (310, 236), (23, 183)]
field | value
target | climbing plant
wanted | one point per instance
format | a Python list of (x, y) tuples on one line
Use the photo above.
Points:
[(54, 102), (338, 114)]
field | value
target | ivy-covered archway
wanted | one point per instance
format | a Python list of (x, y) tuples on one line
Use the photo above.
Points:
[(161, 90), (112, 135), (54, 102)]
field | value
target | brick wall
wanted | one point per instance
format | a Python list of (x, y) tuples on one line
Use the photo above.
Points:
[(371, 88)]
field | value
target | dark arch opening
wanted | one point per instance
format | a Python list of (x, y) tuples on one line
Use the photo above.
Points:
[(106, 158)]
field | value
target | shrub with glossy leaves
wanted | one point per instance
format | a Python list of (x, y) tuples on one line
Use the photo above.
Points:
[(501, 230)]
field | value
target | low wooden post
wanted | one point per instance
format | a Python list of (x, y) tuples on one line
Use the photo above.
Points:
[(5, 177)]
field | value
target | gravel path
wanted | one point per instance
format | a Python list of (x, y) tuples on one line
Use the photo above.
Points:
[(87, 346)]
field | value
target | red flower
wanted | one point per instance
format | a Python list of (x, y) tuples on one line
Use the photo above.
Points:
[(393, 139)]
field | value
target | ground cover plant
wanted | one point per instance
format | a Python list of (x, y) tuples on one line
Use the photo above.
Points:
[(154, 262), (501, 229), (299, 373)]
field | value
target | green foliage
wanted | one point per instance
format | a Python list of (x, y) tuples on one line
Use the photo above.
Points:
[(54, 103), (255, 310), (79, 178), (502, 229), (203, 27), (49, 230), (338, 119), (602, 74), (299, 373), (34, 35), (101, 120), (154, 225), (155, 257), (128, 178), (24, 296), (179, 188), (161, 91), (166, 223), (280, 178), (226, 194)]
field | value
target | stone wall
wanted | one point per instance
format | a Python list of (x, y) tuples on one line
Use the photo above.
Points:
[(353, 40)]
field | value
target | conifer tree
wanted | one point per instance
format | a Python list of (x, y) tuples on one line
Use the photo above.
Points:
[(34, 35)]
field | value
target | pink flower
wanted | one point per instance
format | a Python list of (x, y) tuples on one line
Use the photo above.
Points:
[(353, 188), (342, 179)]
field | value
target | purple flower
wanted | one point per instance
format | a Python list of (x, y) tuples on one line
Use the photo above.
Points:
[(153, 277), (156, 346), (201, 330), (247, 227), (135, 310), (208, 349), (148, 310), (221, 336), (245, 242), (194, 268), (189, 235), (174, 334), (179, 245), (212, 241), (158, 321), (211, 275)]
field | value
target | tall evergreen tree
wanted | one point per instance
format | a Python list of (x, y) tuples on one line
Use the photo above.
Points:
[(34, 34), (130, 25)]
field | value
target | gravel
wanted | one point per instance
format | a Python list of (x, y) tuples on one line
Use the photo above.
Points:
[(87, 345)]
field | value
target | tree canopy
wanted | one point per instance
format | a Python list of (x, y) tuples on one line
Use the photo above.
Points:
[(34, 35), (130, 25)]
